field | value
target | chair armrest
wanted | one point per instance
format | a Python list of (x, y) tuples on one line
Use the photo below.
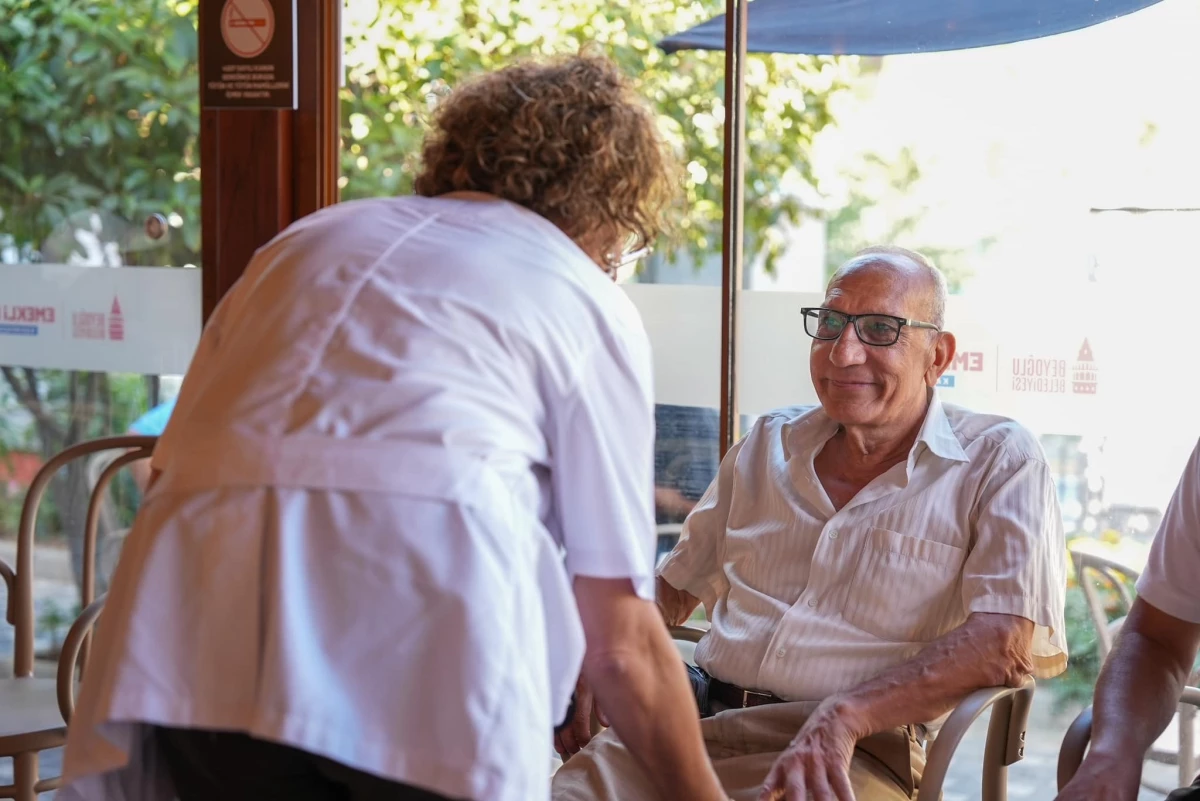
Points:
[(10, 583), (70, 656), (1005, 741), (1075, 742), (687, 633)]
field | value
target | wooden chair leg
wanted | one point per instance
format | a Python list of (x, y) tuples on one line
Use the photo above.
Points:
[(25, 775)]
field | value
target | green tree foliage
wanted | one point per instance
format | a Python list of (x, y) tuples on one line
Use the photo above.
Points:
[(99, 112), (403, 55), (883, 206)]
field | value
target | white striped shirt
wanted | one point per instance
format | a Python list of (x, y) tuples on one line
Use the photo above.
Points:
[(806, 600)]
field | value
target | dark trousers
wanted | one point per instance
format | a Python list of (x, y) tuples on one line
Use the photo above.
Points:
[(1187, 793), (227, 766)]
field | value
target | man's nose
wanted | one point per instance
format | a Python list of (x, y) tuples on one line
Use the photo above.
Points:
[(848, 349)]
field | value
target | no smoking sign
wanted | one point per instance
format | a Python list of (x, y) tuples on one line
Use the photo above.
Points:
[(249, 54), (247, 26)]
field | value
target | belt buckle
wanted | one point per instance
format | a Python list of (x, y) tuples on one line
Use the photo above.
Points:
[(751, 698)]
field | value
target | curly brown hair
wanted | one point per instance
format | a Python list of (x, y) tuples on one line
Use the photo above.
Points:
[(566, 138)]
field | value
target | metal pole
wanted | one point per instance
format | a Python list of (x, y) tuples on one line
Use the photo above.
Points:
[(732, 200)]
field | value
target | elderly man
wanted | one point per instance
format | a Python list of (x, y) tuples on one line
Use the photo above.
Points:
[(866, 563), (1150, 663)]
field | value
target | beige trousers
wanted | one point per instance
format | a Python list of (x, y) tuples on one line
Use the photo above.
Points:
[(743, 745)]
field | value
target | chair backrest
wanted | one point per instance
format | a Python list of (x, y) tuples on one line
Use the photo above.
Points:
[(1089, 568), (20, 611)]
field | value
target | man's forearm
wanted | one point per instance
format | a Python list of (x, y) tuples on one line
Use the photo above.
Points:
[(988, 650)]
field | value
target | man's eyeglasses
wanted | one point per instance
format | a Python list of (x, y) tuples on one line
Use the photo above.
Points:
[(879, 330)]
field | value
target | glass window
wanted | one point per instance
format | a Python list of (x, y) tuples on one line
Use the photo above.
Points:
[(99, 194)]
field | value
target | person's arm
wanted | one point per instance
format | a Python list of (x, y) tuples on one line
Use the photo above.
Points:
[(987, 650), (141, 472), (692, 573), (602, 438), (637, 677), (1144, 675), (1136, 697)]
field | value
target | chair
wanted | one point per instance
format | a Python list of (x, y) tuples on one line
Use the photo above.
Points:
[(1091, 568), (34, 711), (1075, 742), (1118, 577), (109, 536), (1005, 740)]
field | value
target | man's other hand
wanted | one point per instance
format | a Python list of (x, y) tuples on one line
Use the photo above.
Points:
[(817, 763), (578, 731)]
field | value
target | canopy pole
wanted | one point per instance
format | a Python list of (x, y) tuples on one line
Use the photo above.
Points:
[(733, 211)]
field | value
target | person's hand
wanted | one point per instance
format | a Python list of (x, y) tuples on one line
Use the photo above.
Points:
[(1103, 779), (817, 763), (672, 501), (578, 731)]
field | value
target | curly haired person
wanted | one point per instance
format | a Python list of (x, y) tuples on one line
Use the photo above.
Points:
[(406, 494)]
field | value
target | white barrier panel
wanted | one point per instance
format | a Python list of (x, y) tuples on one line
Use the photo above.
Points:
[(684, 326), (119, 320)]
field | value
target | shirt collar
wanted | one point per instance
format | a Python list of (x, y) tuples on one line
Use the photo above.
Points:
[(810, 431), (937, 433)]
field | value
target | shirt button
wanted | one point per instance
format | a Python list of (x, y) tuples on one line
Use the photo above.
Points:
[(780, 653), (812, 602), (833, 535)]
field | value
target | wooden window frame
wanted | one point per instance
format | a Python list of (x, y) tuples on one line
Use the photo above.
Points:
[(260, 170)]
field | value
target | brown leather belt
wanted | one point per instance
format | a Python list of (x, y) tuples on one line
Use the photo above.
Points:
[(735, 697)]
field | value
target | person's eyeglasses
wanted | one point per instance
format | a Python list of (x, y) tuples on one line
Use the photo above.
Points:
[(630, 254), (879, 330)]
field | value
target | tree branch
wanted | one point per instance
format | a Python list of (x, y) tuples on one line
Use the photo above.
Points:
[(27, 395)]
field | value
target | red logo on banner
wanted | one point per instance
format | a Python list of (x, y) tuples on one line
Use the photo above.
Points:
[(1083, 372), (116, 322), (87, 325)]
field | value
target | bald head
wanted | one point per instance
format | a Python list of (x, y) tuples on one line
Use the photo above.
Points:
[(926, 282)]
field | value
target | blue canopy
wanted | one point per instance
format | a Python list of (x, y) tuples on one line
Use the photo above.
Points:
[(890, 27)]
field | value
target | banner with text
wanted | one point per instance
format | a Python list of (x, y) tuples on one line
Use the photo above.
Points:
[(116, 320)]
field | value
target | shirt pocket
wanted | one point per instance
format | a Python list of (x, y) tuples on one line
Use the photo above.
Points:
[(905, 589)]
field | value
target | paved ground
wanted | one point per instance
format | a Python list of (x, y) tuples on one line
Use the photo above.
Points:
[(1034, 778)]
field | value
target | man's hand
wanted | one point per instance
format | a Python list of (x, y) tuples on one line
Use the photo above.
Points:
[(676, 606), (1104, 779), (578, 731), (817, 763)]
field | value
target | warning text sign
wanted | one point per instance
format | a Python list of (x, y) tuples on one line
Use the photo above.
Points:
[(249, 58)]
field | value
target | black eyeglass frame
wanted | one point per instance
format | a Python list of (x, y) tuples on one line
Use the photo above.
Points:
[(810, 312)]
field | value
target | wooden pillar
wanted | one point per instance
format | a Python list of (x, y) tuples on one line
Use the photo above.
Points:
[(262, 169)]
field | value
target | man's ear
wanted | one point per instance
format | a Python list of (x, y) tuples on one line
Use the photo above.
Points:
[(943, 357)]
